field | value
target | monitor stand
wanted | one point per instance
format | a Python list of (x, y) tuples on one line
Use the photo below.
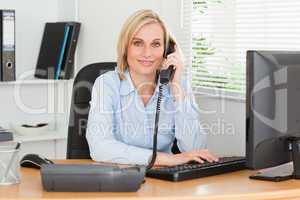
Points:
[(287, 171)]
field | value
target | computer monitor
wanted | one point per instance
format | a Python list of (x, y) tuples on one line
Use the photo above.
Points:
[(272, 108)]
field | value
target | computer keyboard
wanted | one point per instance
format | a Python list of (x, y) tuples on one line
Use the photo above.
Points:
[(196, 170)]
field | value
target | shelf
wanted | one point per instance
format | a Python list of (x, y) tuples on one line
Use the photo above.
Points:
[(35, 81), (50, 135)]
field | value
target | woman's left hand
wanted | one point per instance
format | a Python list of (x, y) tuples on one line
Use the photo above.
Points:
[(175, 59)]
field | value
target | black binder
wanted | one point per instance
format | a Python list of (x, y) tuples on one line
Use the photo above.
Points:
[(67, 70), (56, 57), (7, 45)]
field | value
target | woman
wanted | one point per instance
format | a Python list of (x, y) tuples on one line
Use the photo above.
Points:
[(121, 119)]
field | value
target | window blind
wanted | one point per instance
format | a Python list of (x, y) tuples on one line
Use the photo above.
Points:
[(219, 32)]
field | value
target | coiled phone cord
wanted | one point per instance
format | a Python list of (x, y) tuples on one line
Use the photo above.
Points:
[(154, 152)]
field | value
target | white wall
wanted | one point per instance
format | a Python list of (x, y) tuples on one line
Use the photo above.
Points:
[(16, 99), (101, 24), (224, 121), (31, 16)]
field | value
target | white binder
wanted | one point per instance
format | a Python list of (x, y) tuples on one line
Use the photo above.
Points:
[(8, 64)]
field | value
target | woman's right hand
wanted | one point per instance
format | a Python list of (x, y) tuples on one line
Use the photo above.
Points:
[(164, 159)]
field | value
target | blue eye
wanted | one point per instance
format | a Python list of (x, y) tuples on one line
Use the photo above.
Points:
[(156, 44)]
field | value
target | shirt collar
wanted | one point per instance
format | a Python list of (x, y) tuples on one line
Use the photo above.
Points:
[(127, 86)]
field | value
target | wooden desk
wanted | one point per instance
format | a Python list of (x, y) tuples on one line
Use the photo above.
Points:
[(229, 186)]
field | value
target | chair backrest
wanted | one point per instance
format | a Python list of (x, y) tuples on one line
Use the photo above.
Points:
[(77, 147)]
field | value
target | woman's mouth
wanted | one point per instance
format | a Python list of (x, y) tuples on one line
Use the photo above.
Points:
[(146, 62)]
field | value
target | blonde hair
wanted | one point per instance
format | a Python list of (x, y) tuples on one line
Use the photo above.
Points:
[(130, 27)]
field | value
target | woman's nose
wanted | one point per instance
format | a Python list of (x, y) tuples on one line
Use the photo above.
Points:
[(147, 52)]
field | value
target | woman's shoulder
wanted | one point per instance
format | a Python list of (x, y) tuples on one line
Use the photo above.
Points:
[(109, 79), (110, 75)]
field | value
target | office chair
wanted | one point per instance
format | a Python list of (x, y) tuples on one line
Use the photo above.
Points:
[(77, 147)]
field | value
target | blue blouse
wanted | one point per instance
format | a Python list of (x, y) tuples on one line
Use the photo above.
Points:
[(120, 127)]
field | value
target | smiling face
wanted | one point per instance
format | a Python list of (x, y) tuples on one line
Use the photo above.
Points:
[(145, 50)]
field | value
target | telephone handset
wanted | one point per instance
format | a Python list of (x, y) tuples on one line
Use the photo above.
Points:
[(167, 74)]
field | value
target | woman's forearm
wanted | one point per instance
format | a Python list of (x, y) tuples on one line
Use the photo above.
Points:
[(163, 159)]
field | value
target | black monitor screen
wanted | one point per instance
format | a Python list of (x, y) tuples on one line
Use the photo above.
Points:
[(272, 106)]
